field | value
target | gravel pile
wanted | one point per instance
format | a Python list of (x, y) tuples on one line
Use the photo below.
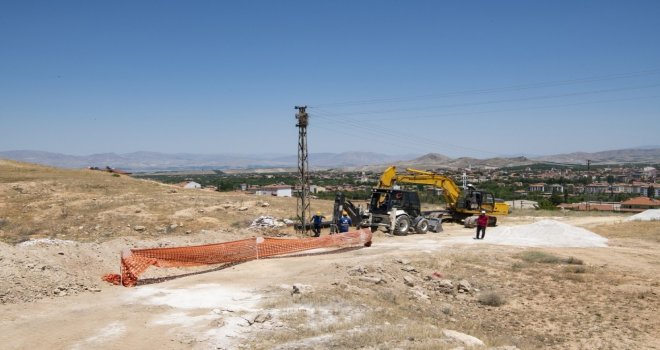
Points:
[(647, 215), (543, 233)]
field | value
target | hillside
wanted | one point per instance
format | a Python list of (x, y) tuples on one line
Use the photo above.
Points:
[(87, 205), (439, 161), (640, 155), (64, 229)]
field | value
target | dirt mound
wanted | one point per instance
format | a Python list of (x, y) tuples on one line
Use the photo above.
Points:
[(543, 233), (49, 268), (43, 268)]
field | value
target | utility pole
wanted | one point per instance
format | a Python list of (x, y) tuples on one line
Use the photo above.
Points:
[(303, 209), (588, 182)]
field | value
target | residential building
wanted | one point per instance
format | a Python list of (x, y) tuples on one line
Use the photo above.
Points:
[(649, 173), (597, 187), (275, 190), (556, 188), (520, 193), (192, 185), (316, 189), (537, 187), (639, 204)]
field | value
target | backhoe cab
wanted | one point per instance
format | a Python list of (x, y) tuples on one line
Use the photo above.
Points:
[(399, 212)]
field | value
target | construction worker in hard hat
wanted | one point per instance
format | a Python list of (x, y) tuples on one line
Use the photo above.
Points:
[(482, 222), (344, 222), (317, 220)]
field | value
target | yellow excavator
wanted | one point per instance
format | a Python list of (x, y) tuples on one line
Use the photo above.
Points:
[(399, 211)]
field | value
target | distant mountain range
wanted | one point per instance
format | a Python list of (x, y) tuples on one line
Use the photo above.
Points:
[(154, 161), (637, 155)]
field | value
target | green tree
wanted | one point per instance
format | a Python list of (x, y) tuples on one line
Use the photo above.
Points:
[(555, 198), (546, 204)]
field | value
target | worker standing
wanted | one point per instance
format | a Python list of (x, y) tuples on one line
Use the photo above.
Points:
[(344, 222), (316, 223), (482, 222)]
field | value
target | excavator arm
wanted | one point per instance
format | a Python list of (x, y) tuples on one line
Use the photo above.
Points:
[(450, 191), (460, 205), (388, 178)]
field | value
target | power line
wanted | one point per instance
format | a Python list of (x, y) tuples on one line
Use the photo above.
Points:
[(495, 89), (397, 136), (545, 97), (401, 138), (337, 122), (457, 114)]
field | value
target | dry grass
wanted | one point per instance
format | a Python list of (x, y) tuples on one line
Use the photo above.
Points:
[(387, 315), (86, 205), (643, 230), (575, 269), (530, 308), (339, 319), (535, 256), (560, 213)]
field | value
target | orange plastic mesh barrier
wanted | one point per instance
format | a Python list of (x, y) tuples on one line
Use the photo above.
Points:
[(135, 261)]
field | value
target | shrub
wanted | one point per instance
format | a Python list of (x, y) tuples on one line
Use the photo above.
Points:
[(539, 257), (576, 269), (491, 298), (573, 261)]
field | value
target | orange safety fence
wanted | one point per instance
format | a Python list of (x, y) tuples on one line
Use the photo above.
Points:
[(135, 261)]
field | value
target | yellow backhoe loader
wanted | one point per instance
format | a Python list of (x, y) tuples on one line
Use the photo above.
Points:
[(399, 211)]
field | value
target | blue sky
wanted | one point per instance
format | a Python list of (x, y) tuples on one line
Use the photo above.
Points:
[(463, 78)]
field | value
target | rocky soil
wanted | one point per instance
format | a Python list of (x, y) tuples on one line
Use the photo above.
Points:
[(434, 291)]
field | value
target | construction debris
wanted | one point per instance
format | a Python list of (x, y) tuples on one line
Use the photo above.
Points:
[(266, 222)]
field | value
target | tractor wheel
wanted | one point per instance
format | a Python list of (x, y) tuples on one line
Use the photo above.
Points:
[(402, 225), (422, 226)]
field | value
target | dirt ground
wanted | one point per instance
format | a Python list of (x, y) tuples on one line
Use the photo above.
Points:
[(412, 292)]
